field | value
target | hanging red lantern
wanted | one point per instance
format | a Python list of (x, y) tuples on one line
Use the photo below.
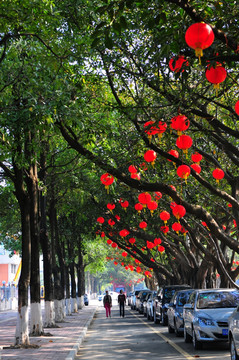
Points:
[(109, 242), (164, 229), (177, 62), (132, 169), (143, 225), (124, 203), (150, 245), (196, 168), (111, 222), (115, 263), (218, 174), (135, 176), (183, 231), (144, 198), (165, 216), (150, 156), (176, 227), (157, 195), (183, 171), (184, 142), (152, 205), (124, 254), (162, 126), (107, 180), (110, 207), (179, 211), (196, 157), (123, 233), (151, 129), (138, 269), (117, 217), (100, 220), (102, 234), (138, 207), (157, 241), (161, 248), (237, 107), (132, 241), (180, 123), (199, 36), (173, 187), (216, 75), (173, 153)]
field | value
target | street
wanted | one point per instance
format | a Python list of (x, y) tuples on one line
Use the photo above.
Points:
[(136, 338)]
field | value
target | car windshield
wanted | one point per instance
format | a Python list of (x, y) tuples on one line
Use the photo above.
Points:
[(182, 298), (222, 299), (168, 293)]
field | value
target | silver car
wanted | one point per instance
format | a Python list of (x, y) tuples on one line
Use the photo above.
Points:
[(234, 334), (206, 315)]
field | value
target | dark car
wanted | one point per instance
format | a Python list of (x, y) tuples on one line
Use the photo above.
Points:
[(86, 300), (140, 299), (175, 311), (162, 299)]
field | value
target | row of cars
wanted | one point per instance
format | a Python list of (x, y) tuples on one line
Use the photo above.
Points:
[(200, 316)]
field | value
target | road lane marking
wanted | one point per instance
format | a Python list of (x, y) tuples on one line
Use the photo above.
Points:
[(11, 318), (166, 339)]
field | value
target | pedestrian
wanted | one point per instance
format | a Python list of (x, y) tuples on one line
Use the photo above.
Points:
[(107, 301), (121, 301)]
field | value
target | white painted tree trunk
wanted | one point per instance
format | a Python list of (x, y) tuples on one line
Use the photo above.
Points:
[(68, 306), (74, 305), (36, 327), (22, 332), (49, 320), (80, 301), (64, 308), (59, 310)]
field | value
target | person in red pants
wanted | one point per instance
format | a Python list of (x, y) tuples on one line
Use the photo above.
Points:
[(121, 301), (107, 301)]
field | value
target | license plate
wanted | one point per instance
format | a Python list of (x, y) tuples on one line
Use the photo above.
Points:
[(225, 332)]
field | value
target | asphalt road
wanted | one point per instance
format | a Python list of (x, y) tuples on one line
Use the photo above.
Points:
[(136, 338)]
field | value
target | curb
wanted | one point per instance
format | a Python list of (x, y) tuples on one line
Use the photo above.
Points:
[(72, 354)]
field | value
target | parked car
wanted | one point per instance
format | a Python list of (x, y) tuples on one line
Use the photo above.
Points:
[(149, 305), (162, 299), (206, 315), (139, 300), (233, 334), (175, 311), (129, 298), (145, 303), (86, 300), (133, 299), (100, 297)]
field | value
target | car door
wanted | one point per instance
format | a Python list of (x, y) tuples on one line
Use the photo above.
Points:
[(171, 310), (234, 327), (188, 313)]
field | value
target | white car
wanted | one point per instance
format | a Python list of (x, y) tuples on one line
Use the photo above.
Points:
[(206, 315), (234, 334)]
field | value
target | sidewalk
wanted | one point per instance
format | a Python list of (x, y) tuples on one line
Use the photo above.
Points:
[(63, 345)]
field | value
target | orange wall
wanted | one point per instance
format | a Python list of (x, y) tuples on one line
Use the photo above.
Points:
[(3, 273)]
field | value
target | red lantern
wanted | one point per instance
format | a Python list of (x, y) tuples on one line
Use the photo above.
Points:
[(178, 211), (143, 225), (107, 180), (117, 217), (196, 157), (124, 204), (173, 187), (150, 245), (115, 263), (216, 75), (138, 269), (111, 222), (164, 229), (151, 129), (102, 234), (152, 205), (218, 174), (177, 62), (176, 227), (157, 195), (132, 169), (110, 207), (180, 123), (123, 233), (144, 198), (124, 254), (150, 156), (135, 176), (184, 142), (157, 241), (162, 126), (101, 220), (173, 153), (237, 107), (132, 241), (196, 168), (165, 216), (109, 242), (183, 171), (139, 207), (199, 36)]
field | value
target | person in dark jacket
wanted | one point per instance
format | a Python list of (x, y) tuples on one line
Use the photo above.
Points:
[(121, 301), (107, 301)]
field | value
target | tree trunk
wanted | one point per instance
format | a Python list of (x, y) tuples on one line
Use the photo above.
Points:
[(80, 276)]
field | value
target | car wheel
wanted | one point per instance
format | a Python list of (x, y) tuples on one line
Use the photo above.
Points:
[(156, 321), (196, 344), (187, 337), (234, 355), (177, 332), (170, 329)]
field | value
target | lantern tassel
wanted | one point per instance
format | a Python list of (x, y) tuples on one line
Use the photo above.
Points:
[(199, 54)]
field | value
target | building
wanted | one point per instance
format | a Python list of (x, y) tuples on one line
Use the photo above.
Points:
[(10, 267)]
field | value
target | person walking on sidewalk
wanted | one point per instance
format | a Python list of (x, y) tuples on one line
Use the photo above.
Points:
[(107, 301), (121, 301)]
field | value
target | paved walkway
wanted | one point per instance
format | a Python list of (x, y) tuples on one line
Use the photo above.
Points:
[(63, 345)]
